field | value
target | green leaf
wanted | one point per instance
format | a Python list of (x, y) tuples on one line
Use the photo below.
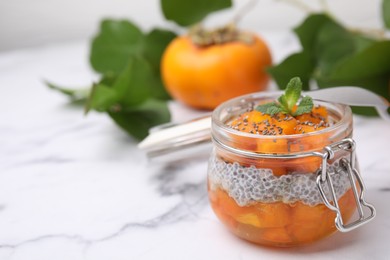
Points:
[(305, 106), (274, 110), (334, 43), (138, 120), (365, 111), (102, 98), (74, 94), (188, 12), (293, 92), (283, 101), (108, 79), (372, 61), (155, 44), (377, 84), (302, 64), (386, 13), (269, 108), (130, 89), (158, 89), (115, 43), (298, 64), (369, 68), (129, 100), (362, 42), (307, 32), (335, 56), (134, 84)]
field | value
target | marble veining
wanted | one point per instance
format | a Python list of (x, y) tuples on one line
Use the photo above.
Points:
[(75, 187), (193, 198)]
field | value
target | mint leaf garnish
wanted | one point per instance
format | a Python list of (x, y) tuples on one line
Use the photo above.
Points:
[(293, 92), (305, 106), (269, 108), (286, 103)]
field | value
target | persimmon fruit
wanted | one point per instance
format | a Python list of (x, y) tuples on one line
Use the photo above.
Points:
[(205, 75)]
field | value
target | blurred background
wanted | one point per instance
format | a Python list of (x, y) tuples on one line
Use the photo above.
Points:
[(25, 23)]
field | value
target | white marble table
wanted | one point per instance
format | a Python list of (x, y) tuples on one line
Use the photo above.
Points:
[(75, 187)]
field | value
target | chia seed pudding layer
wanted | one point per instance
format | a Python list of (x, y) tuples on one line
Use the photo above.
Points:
[(248, 185)]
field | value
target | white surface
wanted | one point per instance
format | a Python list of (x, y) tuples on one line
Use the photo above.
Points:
[(26, 23), (74, 187)]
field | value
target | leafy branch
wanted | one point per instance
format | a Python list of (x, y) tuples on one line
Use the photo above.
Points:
[(130, 89), (333, 55)]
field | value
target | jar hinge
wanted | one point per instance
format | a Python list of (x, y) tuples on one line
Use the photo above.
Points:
[(354, 177)]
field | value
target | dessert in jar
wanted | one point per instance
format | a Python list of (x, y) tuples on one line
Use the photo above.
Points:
[(283, 170)]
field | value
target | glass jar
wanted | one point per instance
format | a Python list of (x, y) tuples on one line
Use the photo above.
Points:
[(285, 190)]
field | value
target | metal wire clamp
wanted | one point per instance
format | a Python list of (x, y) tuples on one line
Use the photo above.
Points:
[(354, 178)]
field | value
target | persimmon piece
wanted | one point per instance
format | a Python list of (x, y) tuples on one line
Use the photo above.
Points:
[(261, 215), (285, 122), (304, 129), (309, 143), (276, 236), (305, 165), (226, 219), (220, 208), (266, 215), (272, 215), (250, 122), (228, 204), (264, 236), (257, 122), (318, 114), (250, 219), (257, 117), (320, 111), (308, 123), (261, 222), (312, 223), (272, 146), (347, 204)]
